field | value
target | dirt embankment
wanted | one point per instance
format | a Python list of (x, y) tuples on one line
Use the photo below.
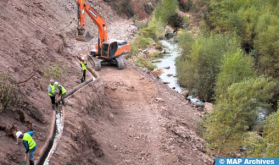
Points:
[(130, 119)]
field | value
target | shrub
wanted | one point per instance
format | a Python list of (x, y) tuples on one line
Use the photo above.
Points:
[(198, 66), (165, 10), (234, 68), (145, 63), (8, 91), (266, 44), (235, 111), (123, 6), (185, 6), (271, 138), (158, 26), (141, 24), (154, 54), (175, 20), (138, 43), (55, 70)]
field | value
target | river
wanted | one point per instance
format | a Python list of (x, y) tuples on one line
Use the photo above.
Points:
[(168, 59), (172, 51)]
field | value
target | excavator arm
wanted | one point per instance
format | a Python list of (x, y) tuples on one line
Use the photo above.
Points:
[(97, 19)]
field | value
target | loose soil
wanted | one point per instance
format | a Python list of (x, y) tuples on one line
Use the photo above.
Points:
[(142, 121)]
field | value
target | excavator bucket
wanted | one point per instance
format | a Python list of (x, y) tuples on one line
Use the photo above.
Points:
[(84, 37)]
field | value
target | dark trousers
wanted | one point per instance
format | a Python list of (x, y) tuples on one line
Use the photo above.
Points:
[(53, 102), (63, 99), (83, 76), (52, 99)]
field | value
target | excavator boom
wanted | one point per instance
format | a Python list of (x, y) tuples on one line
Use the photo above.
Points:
[(84, 35)]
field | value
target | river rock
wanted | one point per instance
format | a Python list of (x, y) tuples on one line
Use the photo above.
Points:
[(165, 82), (185, 93), (167, 67), (169, 74)]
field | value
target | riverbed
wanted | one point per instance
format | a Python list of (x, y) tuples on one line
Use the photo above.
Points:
[(168, 60)]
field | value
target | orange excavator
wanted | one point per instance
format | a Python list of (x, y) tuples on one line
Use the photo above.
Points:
[(107, 50)]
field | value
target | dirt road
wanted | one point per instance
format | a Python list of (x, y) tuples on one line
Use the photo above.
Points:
[(135, 120)]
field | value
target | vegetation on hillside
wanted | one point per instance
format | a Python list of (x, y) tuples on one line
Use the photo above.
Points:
[(198, 67), (234, 63), (149, 35), (234, 112)]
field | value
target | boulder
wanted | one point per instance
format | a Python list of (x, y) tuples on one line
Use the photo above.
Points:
[(167, 67), (185, 93)]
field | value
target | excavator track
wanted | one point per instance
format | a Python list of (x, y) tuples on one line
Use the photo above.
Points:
[(120, 63), (96, 63)]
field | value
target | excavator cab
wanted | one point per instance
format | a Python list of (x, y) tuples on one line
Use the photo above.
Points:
[(109, 49)]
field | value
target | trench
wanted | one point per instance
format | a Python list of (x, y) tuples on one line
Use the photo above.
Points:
[(57, 124)]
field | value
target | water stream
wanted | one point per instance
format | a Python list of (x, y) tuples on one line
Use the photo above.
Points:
[(172, 51)]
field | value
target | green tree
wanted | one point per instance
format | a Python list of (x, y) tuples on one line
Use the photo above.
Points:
[(235, 111), (198, 66), (234, 68), (165, 10), (271, 136), (266, 44)]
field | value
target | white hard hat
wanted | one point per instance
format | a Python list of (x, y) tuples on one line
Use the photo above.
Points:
[(82, 58), (51, 80), (56, 83), (18, 134)]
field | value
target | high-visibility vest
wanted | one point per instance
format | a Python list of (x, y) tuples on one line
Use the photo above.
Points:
[(83, 66), (52, 89), (63, 89), (30, 140)]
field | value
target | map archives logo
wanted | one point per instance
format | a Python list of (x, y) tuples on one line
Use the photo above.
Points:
[(246, 161)]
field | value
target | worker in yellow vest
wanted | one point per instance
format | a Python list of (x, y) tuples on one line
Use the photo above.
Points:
[(29, 144), (51, 93), (83, 65), (61, 91)]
